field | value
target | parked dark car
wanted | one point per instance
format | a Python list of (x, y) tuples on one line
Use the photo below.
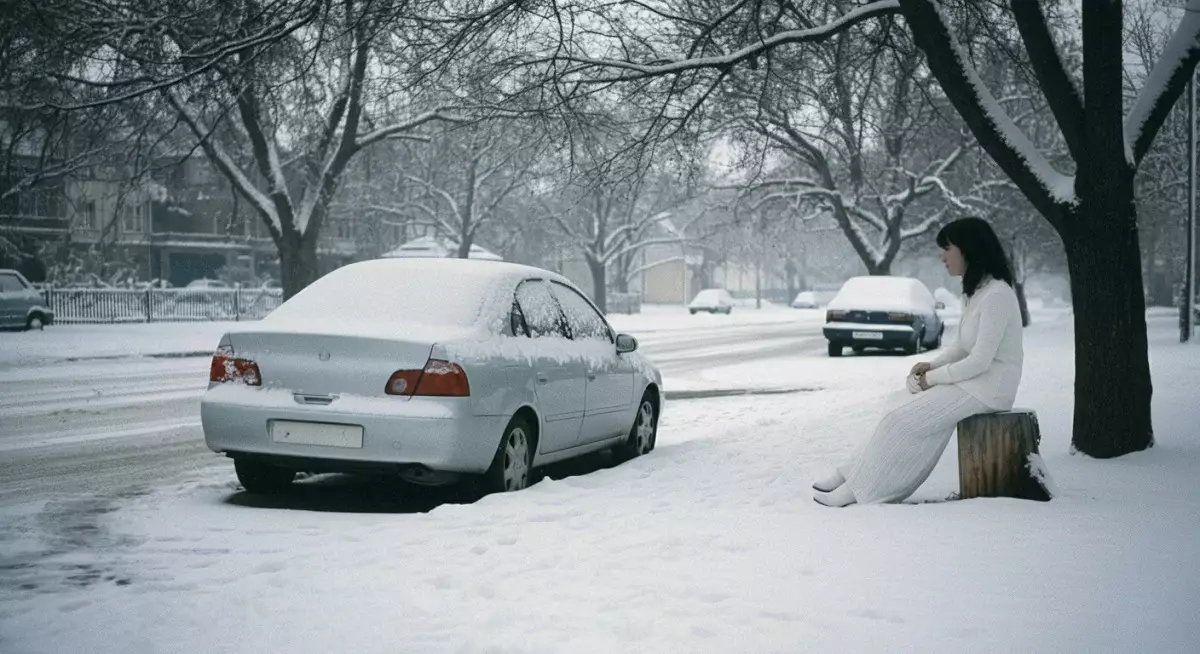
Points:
[(882, 312), (21, 305)]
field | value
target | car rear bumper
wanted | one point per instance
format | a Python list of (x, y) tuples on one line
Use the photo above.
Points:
[(437, 433), (869, 334)]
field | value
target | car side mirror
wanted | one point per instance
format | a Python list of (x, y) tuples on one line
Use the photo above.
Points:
[(626, 344), (939, 305)]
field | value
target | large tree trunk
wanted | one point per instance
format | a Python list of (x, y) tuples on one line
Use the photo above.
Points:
[(789, 269), (599, 283), (624, 263), (297, 262), (1112, 369)]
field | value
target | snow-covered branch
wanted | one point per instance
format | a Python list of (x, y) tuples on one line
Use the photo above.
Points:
[(1166, 82), (217, 155), (635, 70), (384, 132), (1012, 150), (923, 227)]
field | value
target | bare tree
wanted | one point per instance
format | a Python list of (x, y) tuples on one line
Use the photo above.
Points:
[(615, 207), (467, 174), (869, 141)]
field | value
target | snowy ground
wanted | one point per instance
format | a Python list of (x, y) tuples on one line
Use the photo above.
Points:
[(709, 544)]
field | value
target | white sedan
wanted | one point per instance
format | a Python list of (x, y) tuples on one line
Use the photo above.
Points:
[(435, 369)]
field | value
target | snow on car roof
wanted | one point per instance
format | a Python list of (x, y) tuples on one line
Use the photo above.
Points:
[(883, 293), (443, 292)]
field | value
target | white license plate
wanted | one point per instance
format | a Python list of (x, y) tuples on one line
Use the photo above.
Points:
[(316, 433), (868, 336)]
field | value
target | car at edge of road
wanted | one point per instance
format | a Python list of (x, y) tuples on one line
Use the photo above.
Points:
[(438, 370), (883, 312), (712, 300), (21, 305)]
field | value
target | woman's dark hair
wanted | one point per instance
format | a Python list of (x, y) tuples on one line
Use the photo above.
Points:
[(981, 249)]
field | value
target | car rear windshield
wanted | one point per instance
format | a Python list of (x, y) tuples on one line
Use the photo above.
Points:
[(388, 294)]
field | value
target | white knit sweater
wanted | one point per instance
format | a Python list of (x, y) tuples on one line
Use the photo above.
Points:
[(986, 360)]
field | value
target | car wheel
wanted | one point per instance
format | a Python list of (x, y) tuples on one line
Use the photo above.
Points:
[(728, 310), (512, 466), (917, 346), (260, 478), (644, 433), (692, 311), (835, 350), (35, 322), (858, 349)]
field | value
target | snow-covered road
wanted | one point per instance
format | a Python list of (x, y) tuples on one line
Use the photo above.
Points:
[(104, 426)]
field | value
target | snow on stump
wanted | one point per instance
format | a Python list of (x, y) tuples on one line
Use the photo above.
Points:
[(998, 457)]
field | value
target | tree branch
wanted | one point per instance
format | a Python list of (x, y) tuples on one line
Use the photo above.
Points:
[(1062, 94), (1166, 82), (1045, 188), (815, 35), (224, 163)]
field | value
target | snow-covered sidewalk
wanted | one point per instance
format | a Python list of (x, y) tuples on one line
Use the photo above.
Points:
[(73, 342), (709, 544)]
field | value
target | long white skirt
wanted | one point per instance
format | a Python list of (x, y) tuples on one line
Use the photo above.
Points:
[(907, 443)]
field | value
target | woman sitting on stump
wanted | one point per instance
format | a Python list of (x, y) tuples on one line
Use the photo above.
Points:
[(978, 374)]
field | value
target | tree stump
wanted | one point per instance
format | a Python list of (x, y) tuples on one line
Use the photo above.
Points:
[(998, 457)]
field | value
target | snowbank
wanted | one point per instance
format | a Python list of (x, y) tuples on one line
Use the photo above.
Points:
[(61, 342)]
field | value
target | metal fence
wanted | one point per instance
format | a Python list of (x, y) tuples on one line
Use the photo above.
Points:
[(115, 305), (624, 303)]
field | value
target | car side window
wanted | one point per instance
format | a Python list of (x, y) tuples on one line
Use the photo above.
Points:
[(583, 319), (539, 309), (516, 321), (10, 284)]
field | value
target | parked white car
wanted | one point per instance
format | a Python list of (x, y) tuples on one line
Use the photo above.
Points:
[(805, 300), (883, 312), (436, 369), (207, 284), (712, 300), (21, 305)]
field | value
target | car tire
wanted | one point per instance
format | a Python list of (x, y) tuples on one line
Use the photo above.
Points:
[(728, 310), (512, 466), (692, 311), (917, 346), (35, 321), (262, 479), (644, 433), (858, 349), (835, 350)]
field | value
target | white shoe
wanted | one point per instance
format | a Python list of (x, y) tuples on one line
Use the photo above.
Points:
[(830, 483), (839, 497)]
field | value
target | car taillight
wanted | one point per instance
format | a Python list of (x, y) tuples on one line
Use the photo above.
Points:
[(831, 316), (228, 368), (438, 379), (900, 317)]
